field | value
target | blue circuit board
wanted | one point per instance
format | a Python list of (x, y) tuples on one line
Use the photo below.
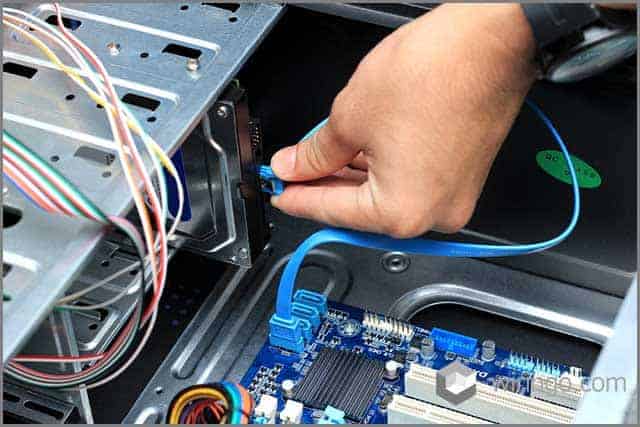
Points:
[(273, 365)]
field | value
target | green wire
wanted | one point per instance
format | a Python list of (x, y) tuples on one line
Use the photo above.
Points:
[(42, 180), (27, 152)]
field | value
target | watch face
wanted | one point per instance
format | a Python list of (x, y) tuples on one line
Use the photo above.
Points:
[(594, 58)]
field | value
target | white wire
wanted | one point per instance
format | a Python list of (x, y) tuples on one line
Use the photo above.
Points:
[(80, 60), (138, 199), (31, 186), (147, 142), (42, 26), (133, 357), (74, 296)]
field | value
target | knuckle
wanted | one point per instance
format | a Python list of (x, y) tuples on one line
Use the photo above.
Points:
[(312, 154), (341, 119), (457, 218), (402, 222)]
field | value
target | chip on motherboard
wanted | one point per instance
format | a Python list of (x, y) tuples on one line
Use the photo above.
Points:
[(343, 379)]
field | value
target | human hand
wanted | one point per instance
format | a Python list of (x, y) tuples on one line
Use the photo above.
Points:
[(411, 138)]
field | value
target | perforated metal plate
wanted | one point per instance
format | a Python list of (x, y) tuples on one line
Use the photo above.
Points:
[(46, 110)]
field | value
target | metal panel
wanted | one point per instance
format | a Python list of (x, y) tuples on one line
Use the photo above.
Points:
[(25, 406), (390, 15), (48, 251), (617, 370)]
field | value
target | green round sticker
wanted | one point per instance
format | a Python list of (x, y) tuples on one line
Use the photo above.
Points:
[(553, 163)]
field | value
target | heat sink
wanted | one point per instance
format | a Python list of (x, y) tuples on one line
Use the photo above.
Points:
[(343, 379)]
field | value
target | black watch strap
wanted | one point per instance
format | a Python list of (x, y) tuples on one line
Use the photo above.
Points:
[(553, 22)]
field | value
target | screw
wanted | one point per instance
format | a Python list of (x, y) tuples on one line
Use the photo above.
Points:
[(243, 253), (114, 48), (488, 350), (395, 262), (193, 64), (222, 111)]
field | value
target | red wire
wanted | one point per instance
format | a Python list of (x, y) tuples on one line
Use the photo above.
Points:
[(161, 274), (84, 358), (67, 194), (136, 157), (23, 183), (63, 377), (198, 408)]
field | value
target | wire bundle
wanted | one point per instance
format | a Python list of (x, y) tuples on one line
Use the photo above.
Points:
[(217, 403), (48, 189)]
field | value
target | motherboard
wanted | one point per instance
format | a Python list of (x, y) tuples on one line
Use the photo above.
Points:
[(363, 367)]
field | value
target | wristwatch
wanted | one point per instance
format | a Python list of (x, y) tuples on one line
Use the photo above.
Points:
[(576, 41)]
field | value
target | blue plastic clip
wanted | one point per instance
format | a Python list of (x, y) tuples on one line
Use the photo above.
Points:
[(271, 184), (313, 299), (306, 312), (288, 333), (332, 416)]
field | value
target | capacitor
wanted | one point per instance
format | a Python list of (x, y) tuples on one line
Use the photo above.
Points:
[(427, 348), (488, 352), (287, 388), (391, 369)]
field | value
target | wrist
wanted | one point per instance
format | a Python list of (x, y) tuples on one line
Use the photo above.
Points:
[(496, 37), (510, 41)]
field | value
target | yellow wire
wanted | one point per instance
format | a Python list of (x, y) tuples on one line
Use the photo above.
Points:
[(197, 393), (73, 74), (98, 99)]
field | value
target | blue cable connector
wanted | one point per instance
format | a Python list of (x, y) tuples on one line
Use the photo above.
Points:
[(271, 184), (332, 416), (312, 299)]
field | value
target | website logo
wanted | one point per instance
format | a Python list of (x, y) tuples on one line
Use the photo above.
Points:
[(456, 382)]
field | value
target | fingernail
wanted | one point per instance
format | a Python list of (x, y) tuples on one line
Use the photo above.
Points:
[(284, 162)]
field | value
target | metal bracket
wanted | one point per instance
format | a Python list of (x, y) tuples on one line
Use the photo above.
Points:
[(220, 163)]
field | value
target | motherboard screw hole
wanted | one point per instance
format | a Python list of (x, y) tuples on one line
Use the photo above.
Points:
[(395, 262)]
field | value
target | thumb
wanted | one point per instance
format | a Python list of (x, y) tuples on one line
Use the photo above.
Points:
[(320, 154)]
